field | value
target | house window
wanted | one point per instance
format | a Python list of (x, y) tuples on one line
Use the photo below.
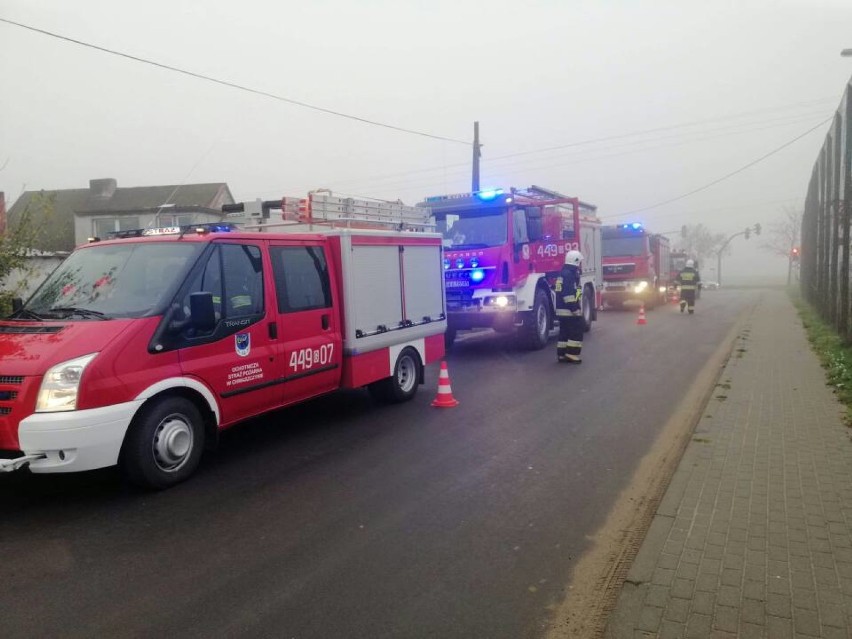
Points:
[(103, 226), (175, 219)]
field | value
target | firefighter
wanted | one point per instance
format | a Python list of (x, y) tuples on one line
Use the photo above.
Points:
[(689, 280), (569, 309)]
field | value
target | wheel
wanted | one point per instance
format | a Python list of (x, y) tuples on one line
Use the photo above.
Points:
[(449, 338), (534, 331), (402, 385), (164, 443), (587, 311)]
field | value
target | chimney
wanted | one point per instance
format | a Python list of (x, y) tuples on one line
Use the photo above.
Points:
[(102, 189), (2, 212)]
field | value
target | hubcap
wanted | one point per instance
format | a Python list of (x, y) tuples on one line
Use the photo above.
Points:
[(406, 375), (173, 442), (541, 320)]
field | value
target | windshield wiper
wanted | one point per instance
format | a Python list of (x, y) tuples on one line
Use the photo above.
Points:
[(26, 314), (83, 312)]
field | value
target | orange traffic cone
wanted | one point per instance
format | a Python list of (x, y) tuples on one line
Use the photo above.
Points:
[(444, 398), (641, 320)]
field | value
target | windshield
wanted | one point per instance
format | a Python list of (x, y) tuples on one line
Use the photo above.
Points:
[(116, 280), (621, 246), (477, 230)]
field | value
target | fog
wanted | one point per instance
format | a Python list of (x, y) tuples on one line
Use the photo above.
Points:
[(639, 102)]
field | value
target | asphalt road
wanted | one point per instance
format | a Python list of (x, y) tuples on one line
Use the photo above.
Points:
[(344, 518)]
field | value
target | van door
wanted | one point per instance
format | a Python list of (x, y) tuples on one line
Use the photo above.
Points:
[(238, 359), (308, 325)]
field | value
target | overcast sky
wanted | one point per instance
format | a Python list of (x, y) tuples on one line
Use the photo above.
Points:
[(714, 86)]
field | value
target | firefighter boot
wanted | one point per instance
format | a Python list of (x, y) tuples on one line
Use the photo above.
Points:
[(682, 305)]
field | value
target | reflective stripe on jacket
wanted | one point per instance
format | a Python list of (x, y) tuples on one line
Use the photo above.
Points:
[(569, 296), (688, 279)]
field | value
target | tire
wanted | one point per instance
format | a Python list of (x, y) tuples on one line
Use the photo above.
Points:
[(164, 444), (535, 331), (587, 311), (449, 338), (402, 385)]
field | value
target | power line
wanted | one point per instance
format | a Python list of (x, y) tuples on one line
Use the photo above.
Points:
[(232, 84), (699, 212), (373, 178), (647, 145), (732, 173), (645, 132)]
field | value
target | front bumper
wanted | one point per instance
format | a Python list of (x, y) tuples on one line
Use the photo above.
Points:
[(620, 292), (480, 310), (73, 441)]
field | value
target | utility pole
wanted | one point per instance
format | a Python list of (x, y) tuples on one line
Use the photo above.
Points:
[(477, 153)]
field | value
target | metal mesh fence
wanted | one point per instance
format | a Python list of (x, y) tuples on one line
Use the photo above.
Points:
[(824, 256)]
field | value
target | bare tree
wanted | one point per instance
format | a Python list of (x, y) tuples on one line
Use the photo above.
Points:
[(782, 237), (18, 242), (699, 242)]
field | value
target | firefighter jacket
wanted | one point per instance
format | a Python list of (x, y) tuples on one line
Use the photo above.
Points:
[(688, 279), (569, 293)]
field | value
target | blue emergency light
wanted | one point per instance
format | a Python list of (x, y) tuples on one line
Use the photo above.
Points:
[(488, 195), (633, 226), (477, 275)]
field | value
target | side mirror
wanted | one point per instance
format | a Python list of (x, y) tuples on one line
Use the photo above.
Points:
[(201, 312), (17, 304)]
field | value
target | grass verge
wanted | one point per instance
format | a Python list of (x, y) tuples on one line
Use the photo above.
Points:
[(833, 352)]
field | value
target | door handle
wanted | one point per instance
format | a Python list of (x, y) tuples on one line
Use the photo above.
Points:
[(325, 322), (273, 330)]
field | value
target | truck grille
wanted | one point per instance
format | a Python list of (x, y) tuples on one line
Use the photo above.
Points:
[(461, 300), (618, 269), (14, 393)]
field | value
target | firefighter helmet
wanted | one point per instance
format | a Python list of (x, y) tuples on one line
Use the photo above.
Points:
[(690, 263), (573, 258)]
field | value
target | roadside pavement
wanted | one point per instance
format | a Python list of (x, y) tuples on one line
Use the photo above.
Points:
[(753, 537)]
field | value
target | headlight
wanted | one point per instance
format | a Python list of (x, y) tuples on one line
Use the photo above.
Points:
[(662, 289), (500, 301), (641, 286), (59, 387)]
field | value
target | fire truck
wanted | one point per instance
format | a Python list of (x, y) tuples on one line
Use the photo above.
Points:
[(635, 265), (502, 253), (141, 348)]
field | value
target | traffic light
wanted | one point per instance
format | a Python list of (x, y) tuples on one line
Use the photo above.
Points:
[(794, 253), (747, 233), (757, 229)]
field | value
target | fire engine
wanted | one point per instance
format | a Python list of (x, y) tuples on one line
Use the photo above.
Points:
[(141, 348), (635, 265), (502, 253)]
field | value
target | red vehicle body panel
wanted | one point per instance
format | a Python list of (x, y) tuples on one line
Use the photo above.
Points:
[(267, 375)]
